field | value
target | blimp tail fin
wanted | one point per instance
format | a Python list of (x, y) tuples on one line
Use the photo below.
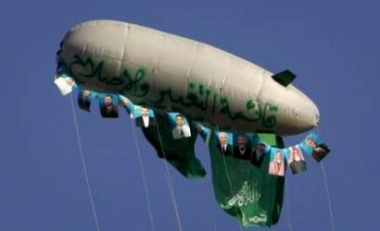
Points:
[(284, 78)]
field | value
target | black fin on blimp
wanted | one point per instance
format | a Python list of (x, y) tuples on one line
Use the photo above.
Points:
[(284, 78)]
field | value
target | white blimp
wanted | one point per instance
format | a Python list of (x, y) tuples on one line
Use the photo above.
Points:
[(172, 73)]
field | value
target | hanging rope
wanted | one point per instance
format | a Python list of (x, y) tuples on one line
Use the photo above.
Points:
[(146, 191), (215, 224), (85, 171), (169, 181), (328, 197), (287, 205), (327, 193)]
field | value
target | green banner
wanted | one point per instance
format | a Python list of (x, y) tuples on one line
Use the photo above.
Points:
[(244, 190), (178, 152)]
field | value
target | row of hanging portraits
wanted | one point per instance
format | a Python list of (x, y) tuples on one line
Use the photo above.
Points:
[(243, 146), (144, 117)]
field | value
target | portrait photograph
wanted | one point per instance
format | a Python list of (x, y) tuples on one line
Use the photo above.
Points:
[(296, 160), (84, 99), (277, 162), (144, 116), (180, 126), (107, 106), (224, 143), (320, 152), (309, 143), (242, 146), (315, 147), (258, 154)]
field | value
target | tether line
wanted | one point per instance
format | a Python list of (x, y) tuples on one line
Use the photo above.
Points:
[(85, 171)]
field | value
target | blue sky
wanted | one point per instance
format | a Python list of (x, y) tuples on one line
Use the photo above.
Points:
[(332, 46)]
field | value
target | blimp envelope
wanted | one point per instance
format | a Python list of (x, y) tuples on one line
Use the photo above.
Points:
[(173, 73)]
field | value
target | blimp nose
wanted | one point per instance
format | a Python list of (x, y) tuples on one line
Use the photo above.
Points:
[(307, 115), (300, 114)]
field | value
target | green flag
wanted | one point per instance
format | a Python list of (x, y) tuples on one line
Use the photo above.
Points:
[(178, 152), (244, 190)]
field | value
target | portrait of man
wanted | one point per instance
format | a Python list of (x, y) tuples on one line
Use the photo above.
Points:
[(181, 130), (108, 109), (84, 101), (258, 154), (320, 152), (146, 119), (310, 142), (296, 160), (224, 147), (243, 149), (277, 165)]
